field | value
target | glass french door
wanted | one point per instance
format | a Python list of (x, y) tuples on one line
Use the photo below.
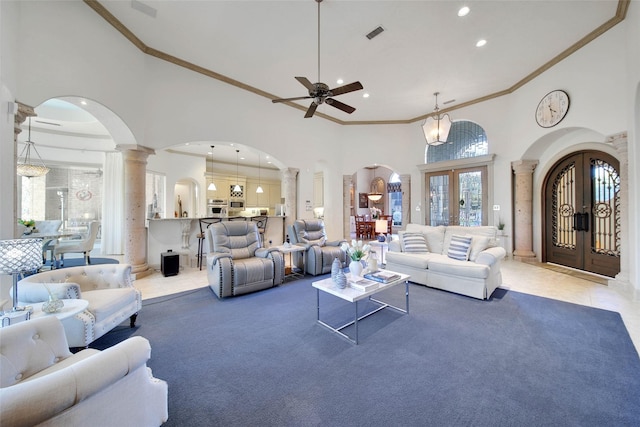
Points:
[(457, 197)]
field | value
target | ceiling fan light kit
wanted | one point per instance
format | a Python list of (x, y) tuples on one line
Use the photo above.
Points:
[(436, 127), (319, 92)]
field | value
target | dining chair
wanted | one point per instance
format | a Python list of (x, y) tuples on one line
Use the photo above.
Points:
[(83, 246)]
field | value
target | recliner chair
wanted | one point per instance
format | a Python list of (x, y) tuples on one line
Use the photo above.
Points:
[(236, 262), (320, 253)]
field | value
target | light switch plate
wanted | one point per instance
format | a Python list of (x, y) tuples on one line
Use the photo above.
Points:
[(496, 207)]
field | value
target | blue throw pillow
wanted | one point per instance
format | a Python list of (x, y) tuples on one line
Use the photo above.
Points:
[(459, 247)]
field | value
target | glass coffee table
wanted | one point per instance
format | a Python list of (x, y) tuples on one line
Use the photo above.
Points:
[(355, 296)]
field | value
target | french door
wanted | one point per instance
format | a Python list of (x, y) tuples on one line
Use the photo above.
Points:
[(457, 197), (582, 213)]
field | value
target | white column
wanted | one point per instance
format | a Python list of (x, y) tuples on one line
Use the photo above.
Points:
[(290, 190), (135, 232), (347, 185), (619, 142), (406, 199), (523, 227)]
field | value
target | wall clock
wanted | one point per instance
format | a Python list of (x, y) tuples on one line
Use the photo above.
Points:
[(552, 108), (84, 195)]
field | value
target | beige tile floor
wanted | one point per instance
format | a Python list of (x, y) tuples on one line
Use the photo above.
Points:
[(535, 279)]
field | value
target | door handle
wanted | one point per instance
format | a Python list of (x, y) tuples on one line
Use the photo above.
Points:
[(581, 221)]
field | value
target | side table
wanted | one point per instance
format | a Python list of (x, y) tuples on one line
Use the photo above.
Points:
[(289, 250), (382, 245), (71, 308)]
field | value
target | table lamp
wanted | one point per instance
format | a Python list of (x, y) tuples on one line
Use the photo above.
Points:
[(381, 227), (19, 256)]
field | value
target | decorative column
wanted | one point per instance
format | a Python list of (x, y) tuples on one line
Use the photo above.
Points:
[(135, 232), (523, 227), (405, 181), (290, 190), (619, 142), (347, 185)]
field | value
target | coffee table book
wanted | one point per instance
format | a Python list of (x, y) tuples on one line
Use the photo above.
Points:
[(362, 284), (382, 276)]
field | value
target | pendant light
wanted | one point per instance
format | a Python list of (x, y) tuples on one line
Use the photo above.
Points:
[(25, 167), (237, 188), (259, 190), (212, 186), (374, 196), (436, 127)]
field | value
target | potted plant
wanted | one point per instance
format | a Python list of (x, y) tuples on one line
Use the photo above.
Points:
[(500, 227)]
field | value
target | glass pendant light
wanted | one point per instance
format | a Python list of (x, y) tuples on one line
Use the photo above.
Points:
[(212, 186), (25, 166), (237, 188), (259, 190)]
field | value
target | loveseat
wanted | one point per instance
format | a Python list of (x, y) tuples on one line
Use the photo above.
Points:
[(464, 260), (43, 383), (108, 288)]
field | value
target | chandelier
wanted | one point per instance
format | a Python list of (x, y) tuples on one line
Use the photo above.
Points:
[(436, 127), (212, 186), (374, 195), (25, 167)]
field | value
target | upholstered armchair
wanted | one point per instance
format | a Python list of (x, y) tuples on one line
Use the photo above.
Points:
[(236, 262), (320, 253), (108, 288), (43, 383)]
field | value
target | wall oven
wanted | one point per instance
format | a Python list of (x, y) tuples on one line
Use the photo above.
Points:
[(236, 204), (217, 208)]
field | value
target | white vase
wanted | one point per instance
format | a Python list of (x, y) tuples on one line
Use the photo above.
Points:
[(355, 268)]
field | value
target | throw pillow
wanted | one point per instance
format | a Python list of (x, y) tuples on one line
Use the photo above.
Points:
[(414, 242), (478, 244), (459, 247)]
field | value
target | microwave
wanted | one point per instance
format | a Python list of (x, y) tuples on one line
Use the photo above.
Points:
[(236, 204), (219, 211)]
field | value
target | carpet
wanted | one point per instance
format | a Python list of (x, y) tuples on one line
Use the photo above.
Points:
[(514, 360), (75, 262)]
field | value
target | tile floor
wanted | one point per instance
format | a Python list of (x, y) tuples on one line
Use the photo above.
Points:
[(535, 279)]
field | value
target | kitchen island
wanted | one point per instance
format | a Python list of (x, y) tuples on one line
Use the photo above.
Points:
[(180, 235)]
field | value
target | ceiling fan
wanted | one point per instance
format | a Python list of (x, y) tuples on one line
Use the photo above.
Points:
[(320, 92)]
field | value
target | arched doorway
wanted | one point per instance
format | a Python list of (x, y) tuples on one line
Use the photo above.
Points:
[(581, 205)]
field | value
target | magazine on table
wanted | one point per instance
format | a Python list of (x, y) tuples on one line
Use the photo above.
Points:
[(362, 284), (382, 276)]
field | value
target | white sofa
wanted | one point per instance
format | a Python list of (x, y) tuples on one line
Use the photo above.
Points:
[(429, 263), (43, 384), (108, 288)]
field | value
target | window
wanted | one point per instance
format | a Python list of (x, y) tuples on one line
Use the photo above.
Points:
[(394, 188), (456, 177)]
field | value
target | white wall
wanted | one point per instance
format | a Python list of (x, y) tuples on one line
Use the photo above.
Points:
[(165, 105)]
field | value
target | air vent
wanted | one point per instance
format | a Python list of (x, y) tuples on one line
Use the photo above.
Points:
[(375, 32), (144, 8)]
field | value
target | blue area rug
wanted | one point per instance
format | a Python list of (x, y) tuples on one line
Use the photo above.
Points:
[(75, 262), (515, 360)]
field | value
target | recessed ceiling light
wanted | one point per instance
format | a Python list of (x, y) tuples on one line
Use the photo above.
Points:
[(481, 43), (463, 11), (365, 95), (340, 81), (83, 102), (186, 143)]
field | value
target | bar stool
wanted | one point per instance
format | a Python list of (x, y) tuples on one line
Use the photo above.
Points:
[(202, 235)]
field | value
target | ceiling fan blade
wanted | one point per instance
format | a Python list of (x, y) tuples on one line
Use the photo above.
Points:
[(346, 88), (290, 99), (340, 105), (311, 110), (306, 83)]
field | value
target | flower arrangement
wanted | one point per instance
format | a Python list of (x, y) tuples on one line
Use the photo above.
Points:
[(27, 222), (357, 250), (375, 212)]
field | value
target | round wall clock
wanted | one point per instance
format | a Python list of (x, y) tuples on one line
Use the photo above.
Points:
[(552, 108), (84, 195)]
